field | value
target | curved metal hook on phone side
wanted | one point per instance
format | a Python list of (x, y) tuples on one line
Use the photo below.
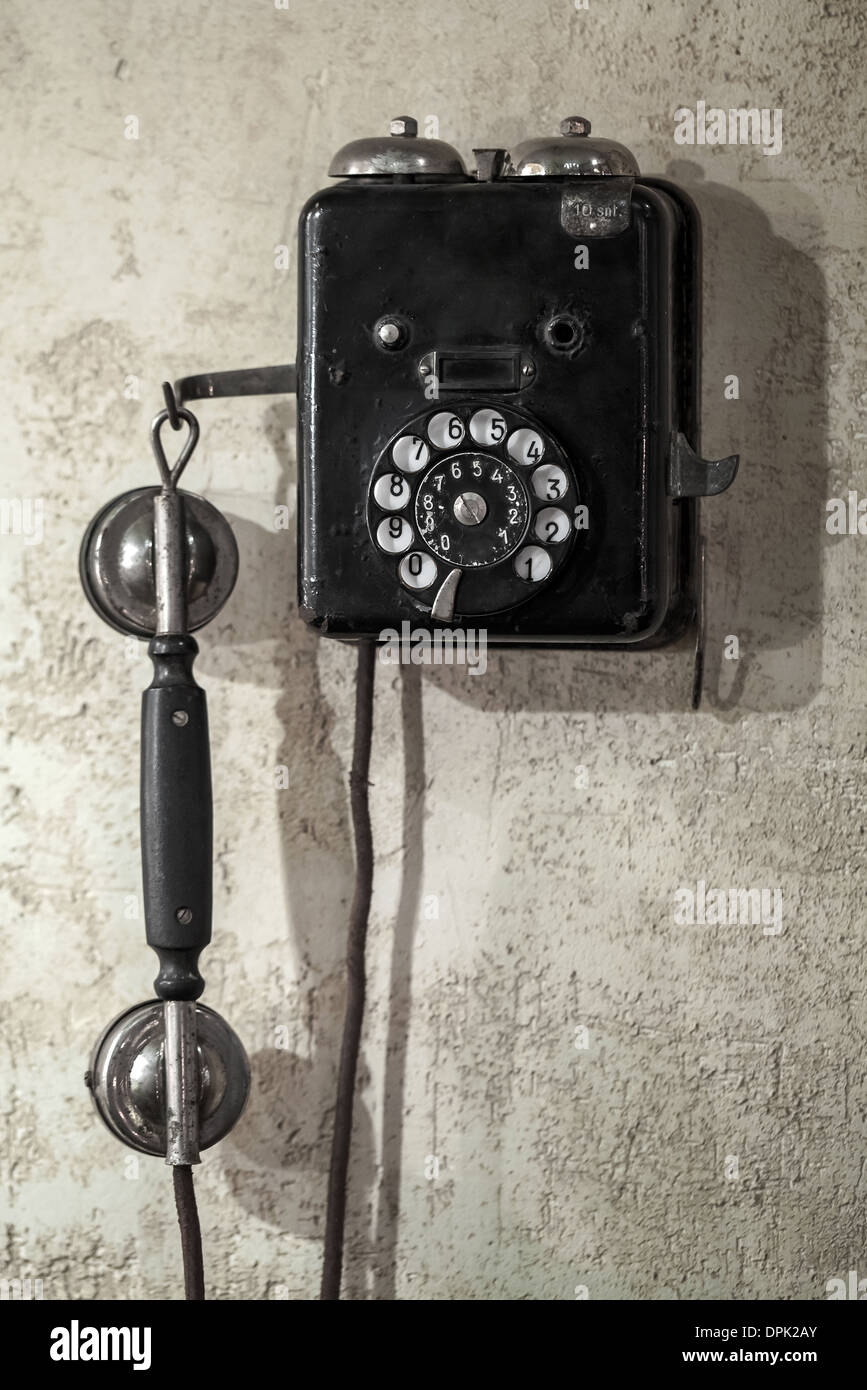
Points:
[(171, 473)]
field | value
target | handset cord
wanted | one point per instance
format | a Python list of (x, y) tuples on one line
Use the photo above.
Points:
[(335, 1212), (191, 1232)]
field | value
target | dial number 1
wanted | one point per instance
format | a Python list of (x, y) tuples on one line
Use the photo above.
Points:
[(532, 564)]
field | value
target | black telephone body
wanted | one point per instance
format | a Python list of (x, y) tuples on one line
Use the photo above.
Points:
[(498, 394)]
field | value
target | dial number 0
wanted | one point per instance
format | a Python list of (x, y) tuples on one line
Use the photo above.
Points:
[(417, 571)]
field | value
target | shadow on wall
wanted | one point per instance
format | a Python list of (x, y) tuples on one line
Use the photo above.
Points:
[(765, 320), (284, 1140), (766, 311), (282, 1145)]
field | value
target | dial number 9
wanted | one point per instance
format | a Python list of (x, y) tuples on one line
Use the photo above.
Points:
[(394, 535)]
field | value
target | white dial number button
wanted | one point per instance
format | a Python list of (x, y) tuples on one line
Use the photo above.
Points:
[(394, 535), (445, 430), (551, 525), (488, 427), (391, 492), (526, 446), (410, 453), (550, 482), (417, 571), (532, 563)]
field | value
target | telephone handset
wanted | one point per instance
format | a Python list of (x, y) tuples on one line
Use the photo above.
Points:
[(498, 426), (169, 1077)]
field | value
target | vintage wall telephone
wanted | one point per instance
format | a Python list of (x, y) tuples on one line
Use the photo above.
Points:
[(498, 427)]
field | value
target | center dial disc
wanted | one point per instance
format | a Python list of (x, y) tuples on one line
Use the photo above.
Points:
[(472, 510)]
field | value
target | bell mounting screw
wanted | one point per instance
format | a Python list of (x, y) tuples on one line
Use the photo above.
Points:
[(575, 125), (403, 125)]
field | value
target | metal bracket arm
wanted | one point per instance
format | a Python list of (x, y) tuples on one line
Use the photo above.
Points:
[(250, 381)]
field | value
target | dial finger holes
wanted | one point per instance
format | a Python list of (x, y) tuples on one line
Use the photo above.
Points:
[(488, 427), (445, 430), (394, 535), (391, 492), (549, 482), (551, 525), (532, 564), (410, 453), (526, 446), (417, 571)]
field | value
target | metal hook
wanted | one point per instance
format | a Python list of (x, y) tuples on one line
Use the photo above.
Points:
[(169, 475), (171, 405)]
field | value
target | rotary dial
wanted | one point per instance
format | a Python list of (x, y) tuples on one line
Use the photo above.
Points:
[(474, 506), (472, 510)]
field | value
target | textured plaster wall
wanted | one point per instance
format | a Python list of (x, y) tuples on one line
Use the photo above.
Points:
[(607, 1166)]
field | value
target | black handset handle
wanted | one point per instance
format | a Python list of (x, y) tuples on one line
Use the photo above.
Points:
[(176, 817)]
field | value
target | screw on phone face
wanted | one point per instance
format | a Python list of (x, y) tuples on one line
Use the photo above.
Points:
[(184, 916), (389, 333)]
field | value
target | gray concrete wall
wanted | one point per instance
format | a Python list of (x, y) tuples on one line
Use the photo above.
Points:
[(708, 1140)]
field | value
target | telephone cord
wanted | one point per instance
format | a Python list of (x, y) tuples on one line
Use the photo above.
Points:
[(335, 1215)]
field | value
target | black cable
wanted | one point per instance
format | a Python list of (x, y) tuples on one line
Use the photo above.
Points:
[(335, 1214), (191, 1233)]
